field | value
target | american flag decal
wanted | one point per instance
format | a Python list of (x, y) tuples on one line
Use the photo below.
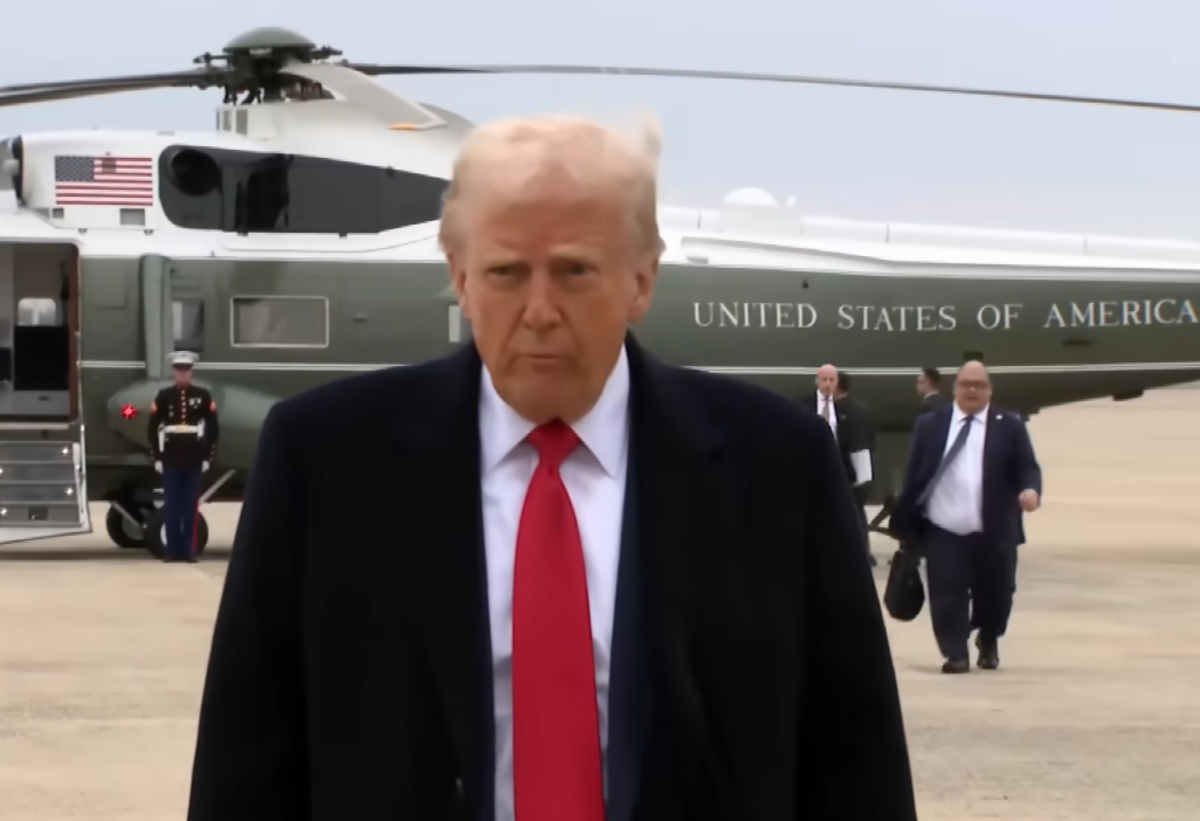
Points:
[(114, 181)]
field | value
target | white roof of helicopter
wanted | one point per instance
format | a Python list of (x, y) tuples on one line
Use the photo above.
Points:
[(749, 229)]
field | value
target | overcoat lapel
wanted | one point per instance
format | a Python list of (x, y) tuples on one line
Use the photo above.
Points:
[(685, 510), (444, 532)]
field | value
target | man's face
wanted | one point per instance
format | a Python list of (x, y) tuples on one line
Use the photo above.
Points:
[(923, 385), (972, 389), (183, 376), (550, 281), (826, 383)]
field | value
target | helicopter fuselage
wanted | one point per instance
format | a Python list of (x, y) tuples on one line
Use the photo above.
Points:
[(1048, 340)]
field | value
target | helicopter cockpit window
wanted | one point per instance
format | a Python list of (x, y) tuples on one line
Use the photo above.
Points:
[(280, 322), (188, 317), (247, 192), (34, 310)]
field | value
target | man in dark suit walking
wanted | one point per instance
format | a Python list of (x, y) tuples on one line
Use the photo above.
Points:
[(929, 388), (824, 403), (971, 476), (862, 449), (549, 578)]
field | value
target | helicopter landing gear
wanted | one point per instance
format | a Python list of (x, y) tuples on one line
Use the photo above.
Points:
[(154, 527), (879, 523), (125, 524), (156, 534), (142, 526)]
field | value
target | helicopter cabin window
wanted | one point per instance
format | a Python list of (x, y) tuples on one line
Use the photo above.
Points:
[(188, 319), (39, 311), (245, 192), (280, 322)]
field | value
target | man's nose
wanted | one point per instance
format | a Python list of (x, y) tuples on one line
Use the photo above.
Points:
[(541, 301)]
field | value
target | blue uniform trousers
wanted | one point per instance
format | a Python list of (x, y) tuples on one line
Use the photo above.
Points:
[(181, 499)]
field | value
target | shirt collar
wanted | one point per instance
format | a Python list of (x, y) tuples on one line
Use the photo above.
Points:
[(959, 415), (604, 430)]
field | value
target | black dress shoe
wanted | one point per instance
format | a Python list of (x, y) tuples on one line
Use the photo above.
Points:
[(989, 654), (956, 666)]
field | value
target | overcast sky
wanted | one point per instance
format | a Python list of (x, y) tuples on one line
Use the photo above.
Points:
[(841, 152)]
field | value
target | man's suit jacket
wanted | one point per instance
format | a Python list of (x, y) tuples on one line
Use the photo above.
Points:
[(351, 673), (862, 427), (1009, 467), (847, 434), (933, 402)]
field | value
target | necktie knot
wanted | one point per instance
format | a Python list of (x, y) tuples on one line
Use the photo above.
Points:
[(554, 442)]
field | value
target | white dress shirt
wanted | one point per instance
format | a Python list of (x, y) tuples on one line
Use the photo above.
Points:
[(956, 504), (821, 400), (594, 476)]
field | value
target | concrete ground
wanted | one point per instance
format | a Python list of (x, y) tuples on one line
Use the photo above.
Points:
[(1094, 716)]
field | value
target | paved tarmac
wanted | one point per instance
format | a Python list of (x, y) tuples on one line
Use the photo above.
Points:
[(1094, 715)]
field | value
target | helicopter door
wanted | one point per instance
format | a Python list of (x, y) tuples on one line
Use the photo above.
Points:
[(38, 314), (43, 483)]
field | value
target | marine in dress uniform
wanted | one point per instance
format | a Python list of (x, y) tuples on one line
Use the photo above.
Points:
[(183, 441)]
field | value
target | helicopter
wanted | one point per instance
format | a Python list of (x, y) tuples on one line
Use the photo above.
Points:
[(297, 242)]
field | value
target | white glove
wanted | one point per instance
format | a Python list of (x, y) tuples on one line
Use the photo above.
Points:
[(204, 467), (158, 466)]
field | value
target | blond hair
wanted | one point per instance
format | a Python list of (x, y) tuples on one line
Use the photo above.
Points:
[(613, 161)]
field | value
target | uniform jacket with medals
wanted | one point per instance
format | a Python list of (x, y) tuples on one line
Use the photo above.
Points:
[(183, 426)]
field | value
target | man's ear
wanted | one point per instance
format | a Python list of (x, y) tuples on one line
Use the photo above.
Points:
[(458, 280), (645, 278)]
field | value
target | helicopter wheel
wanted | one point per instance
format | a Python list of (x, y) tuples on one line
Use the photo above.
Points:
[(124, 533), (156, 534)]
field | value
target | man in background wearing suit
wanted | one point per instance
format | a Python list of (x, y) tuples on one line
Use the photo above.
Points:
[(929, 388), (823, 401), (859, 416), (549, 578), (971, 476)]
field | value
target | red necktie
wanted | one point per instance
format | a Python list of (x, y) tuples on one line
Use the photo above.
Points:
[(556, 735)]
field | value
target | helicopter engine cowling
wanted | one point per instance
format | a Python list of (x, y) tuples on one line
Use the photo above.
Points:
[(242, 412)]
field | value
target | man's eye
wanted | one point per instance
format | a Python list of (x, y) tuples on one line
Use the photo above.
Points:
[(576, 269)]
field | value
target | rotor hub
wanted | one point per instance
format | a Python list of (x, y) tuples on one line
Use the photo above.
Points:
[(269, 38), (266, 50)]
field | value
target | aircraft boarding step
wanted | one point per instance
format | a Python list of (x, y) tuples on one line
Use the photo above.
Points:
[(43, 483)]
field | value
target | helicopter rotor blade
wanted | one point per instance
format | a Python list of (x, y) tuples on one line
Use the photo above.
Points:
[(75, 89), (364, 93), (376, 70), (135, 80)]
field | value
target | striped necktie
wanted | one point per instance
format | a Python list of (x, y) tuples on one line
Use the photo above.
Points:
[(959, 443)]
